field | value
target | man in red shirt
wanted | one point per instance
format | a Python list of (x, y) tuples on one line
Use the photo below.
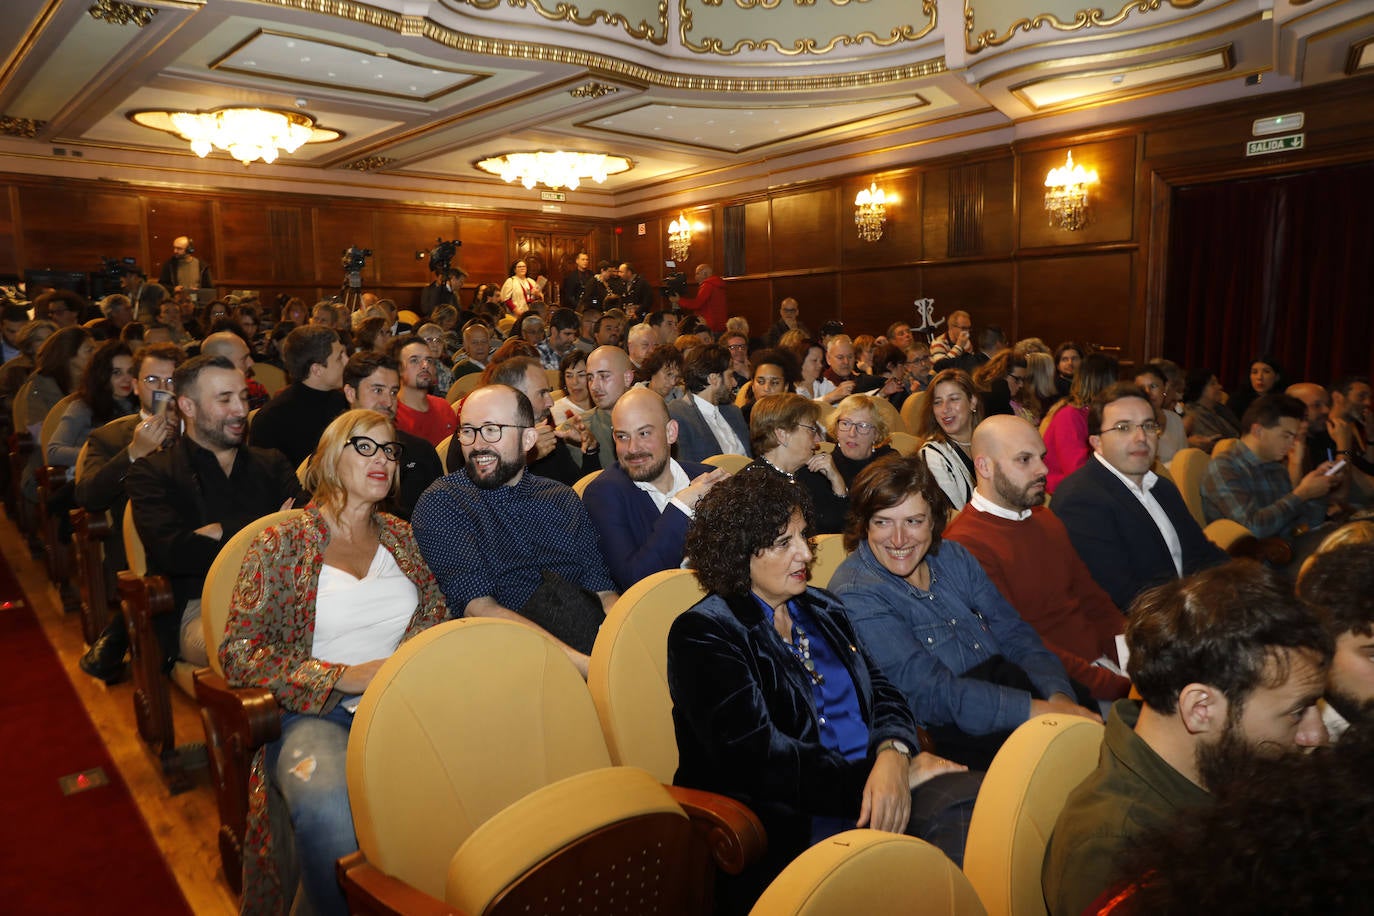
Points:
[(1026, 552), (709, 303), (417, 411)]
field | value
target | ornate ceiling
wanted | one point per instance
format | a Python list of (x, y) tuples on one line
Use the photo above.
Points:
[(708, 98)]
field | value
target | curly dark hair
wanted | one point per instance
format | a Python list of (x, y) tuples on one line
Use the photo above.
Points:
[(95, 388), (660, 356), (1299, 830), (738, 518), (1221, 627), (1339, 582), (888, 482)]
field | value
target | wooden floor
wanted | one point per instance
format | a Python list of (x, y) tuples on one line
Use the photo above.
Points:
[(183, 825)]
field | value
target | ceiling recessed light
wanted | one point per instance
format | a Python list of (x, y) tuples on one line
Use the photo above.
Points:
[(305, 60)]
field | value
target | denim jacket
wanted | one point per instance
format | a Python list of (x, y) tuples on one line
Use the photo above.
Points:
[(923, 641)]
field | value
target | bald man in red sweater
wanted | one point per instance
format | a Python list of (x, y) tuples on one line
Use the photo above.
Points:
[(1027, 554)]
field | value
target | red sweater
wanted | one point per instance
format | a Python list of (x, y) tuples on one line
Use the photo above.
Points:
[(1034, 566), (435, 424), (709, 303)]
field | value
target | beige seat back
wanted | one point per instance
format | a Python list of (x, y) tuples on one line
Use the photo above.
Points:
[(134, 554), (581, 484), (894, 420), (905, 444), (1223, 446), (224, 575), (269, 377), (50, 423), (463, 720), (463, 386), (1187, 467), (1020, 800), (873, 873), (911, 410), (830, 553), (442, 449), (732, 463), (628, 675)]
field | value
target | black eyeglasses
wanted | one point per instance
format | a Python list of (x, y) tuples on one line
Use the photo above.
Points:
[(368, 447), (491, 432), (1149, 427)]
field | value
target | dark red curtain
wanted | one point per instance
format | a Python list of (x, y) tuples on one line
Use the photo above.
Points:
[(1281, 265)]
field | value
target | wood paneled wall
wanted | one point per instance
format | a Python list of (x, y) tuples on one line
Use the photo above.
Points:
[(275, 244), (971, 231)]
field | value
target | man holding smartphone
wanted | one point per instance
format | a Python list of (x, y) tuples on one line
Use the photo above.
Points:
[(105, 461)]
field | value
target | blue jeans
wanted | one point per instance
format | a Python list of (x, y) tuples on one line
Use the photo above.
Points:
[(307, 766)]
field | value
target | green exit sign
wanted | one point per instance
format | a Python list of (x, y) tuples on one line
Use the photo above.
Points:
[(1274, 145)]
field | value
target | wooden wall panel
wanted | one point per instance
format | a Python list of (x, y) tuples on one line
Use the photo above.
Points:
[(935, 214), (817, 295), (984, 290), (1111, 201), (752, 298), (876, 298), (244, 261), (1084, 297), (646, 252), (901, 241), (758, 245), (999, 210), (805, 230), (68, 228), (338, 228), (401, 233), (9, 232), (483, 254)]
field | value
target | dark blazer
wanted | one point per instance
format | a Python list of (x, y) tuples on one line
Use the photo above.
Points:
[(695, 440), (1118, 540), (745, 719), (636, 539)]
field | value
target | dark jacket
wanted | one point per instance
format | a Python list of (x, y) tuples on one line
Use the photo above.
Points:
[(1118, 540), (420, 467), (695, 439), (746, 722), (293, 420), (636, 539)]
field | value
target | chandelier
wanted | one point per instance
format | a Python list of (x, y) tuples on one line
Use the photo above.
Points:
[(1066, 194), (680, 237), (247, 134), (554, 169), (870, 212)]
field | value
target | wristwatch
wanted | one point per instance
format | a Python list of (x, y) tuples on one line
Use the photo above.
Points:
[(900, 747)]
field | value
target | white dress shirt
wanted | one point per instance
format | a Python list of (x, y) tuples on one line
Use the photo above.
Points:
[(983, 504), (661, 500), (725, 436), (1152, 506)]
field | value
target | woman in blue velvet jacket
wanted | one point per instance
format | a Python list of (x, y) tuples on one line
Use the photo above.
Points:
[(970, 668), (776, 704)]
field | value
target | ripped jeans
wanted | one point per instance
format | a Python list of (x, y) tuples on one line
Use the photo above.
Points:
[(307, 765)]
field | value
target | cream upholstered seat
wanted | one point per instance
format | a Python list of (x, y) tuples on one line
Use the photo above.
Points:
[(873, 873), (1025, 789), (443, 448), (911, 410), (237, 720), (830, 553), (269, 377), (628, 675), (1187, 467), (476, 721), (905, 443), (580, 485), (463, 386), (732, 463), (1223, 446)]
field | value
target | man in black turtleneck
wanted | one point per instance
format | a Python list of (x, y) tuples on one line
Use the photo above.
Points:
[(293, 420)]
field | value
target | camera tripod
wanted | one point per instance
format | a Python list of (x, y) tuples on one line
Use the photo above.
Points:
[(350, 294)]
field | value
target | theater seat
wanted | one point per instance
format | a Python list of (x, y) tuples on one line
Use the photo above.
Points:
[(628, 674), (463, 386), (581, 484), (911, 410), (732, 463), (237, 720), (830, 553), (905, 443), (873, 873), (1025, 789), (478, 720), (269, 377), (1187, 467)]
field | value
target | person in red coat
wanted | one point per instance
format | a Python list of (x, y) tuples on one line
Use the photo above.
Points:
[(709, 302)]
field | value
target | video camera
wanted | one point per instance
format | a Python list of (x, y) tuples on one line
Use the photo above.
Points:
[(353, 261), (441, 259), (675, 284)]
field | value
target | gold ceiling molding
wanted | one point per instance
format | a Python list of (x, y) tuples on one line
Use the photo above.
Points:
[(656, 33), (27, 128), (1226, 55), (1081, 20), (712, 45), (370, 164), (610, 66), (592, 90), (116, 13)]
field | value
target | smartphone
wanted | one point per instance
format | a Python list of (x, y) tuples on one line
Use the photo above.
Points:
[(1335, 468), (160, 401)]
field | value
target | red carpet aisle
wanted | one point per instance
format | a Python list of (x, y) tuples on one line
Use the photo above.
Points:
[(89, 852)]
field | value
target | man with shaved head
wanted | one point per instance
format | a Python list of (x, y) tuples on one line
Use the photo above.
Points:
[(1027, 554), (233, 347), (641, 506), (609, 375)]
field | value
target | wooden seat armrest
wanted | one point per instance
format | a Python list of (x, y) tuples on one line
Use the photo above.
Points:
[(145, 597), (93, 526), (370, 892), (54, 475), (735, 833), (251, 711)]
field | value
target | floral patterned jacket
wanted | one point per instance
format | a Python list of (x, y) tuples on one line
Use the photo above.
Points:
[(267, 643)]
